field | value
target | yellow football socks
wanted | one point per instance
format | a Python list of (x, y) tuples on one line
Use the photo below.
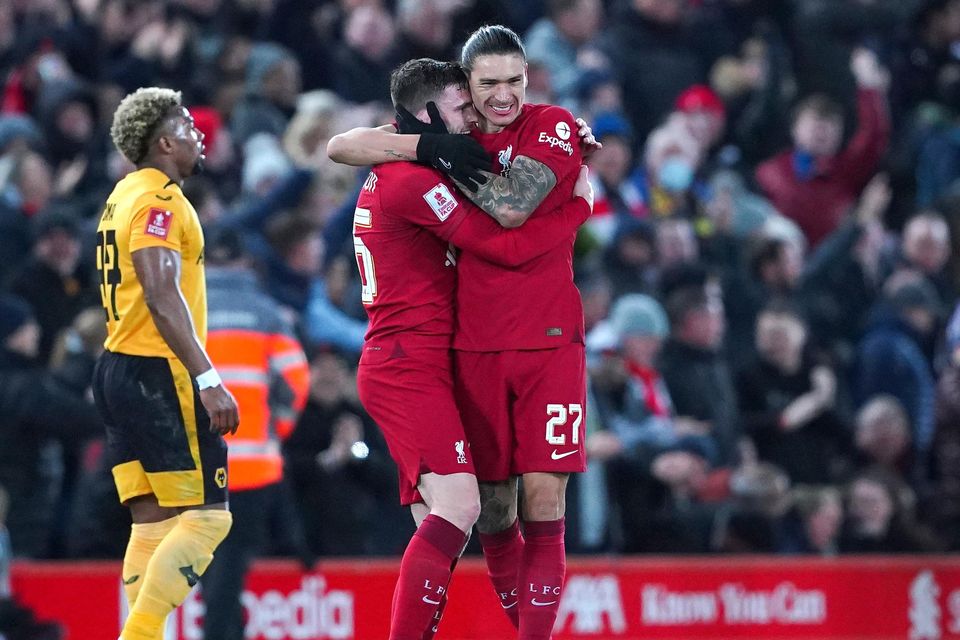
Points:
[(179, 560), (144, 539)]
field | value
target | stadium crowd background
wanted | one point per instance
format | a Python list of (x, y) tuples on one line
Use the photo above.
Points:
[(773, 362)]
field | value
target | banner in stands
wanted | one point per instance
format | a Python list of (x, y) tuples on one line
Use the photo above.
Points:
[(879, 597)]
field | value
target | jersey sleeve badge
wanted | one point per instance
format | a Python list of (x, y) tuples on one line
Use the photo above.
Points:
[(441, 201), (158, 223)]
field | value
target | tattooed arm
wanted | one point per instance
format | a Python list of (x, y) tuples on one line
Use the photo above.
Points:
[(510, 201), (362, 146)]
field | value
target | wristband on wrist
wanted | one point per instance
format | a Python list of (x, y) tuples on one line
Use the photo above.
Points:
[(209, 379)]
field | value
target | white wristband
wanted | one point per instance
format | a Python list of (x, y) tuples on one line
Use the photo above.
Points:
[(209, 379)]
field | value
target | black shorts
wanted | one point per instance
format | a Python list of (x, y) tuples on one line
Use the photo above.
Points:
[(158, 433)]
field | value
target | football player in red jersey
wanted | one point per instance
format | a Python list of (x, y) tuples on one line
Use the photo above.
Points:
[(406, 220)]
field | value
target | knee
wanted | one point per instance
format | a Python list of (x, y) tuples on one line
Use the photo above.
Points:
[(541, 504), (461, 510), (498, 506), (210, 526)]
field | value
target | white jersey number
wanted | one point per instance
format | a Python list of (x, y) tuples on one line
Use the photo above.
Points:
[(558, 417), (368, 274)]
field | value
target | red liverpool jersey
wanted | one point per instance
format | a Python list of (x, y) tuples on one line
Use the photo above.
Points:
[(404, 216), (407, 216), (535, 305)]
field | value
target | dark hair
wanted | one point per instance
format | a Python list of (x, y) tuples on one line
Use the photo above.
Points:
[(223, 246), (556, 7), (416, 82), (684, 276), (683, 301), (781, 306), (765, 252), (286, 230), (198, 189), (491, 39), (822, 106)]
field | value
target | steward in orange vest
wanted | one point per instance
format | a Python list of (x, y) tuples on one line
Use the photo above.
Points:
[(252, 345)]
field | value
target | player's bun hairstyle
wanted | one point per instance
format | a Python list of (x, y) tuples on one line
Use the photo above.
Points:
[(416, 82), (138, 117), (491, 39)]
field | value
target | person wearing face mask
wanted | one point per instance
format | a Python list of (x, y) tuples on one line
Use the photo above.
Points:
[(671, 156)]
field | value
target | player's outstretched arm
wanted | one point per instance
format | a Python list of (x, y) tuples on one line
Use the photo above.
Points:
[(364, 146), (158, 270), (457, 155), (513, 247), (511, 200)]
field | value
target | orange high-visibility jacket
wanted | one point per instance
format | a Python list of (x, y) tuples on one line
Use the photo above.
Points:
[(260, 361)]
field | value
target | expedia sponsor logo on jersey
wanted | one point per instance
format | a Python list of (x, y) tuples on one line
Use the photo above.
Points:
[(554, 141)]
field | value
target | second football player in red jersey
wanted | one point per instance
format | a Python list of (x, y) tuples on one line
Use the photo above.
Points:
[(519, 359), (407, 216)]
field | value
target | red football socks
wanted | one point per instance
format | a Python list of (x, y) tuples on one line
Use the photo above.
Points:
[(435, 623), (424, 577), (541, 578), (503, 552)]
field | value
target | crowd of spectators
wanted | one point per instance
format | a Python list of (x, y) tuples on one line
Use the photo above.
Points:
[(768, 276)]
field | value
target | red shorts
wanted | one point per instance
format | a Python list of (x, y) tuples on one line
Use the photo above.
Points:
[(409, 394), (523, 411)]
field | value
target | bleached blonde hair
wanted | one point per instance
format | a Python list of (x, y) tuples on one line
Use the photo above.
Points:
[(137, 118)]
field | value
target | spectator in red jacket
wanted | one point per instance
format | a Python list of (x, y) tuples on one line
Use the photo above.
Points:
[(816, 181)]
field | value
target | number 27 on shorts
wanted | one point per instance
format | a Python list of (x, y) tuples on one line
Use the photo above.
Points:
[(559, 417)]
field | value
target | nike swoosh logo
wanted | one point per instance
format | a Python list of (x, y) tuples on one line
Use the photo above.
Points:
[(446, 165), (509, 606), (132, 579), (557, 456), (534, 602), (429, 601), (165, 198)]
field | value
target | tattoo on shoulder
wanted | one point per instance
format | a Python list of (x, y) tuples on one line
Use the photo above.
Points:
[(396, 154), (506, 199)]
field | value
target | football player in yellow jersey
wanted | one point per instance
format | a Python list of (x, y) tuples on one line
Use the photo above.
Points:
[(163, 404)]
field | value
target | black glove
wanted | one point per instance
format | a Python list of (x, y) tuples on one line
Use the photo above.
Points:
[(458, 155), (409, 123)]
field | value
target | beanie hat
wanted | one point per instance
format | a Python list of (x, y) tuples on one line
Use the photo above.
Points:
[(639, 314), (15, 126), (14, 313), (916, 295), (611, 124), (263, 57), (700, 97), (55, 220)]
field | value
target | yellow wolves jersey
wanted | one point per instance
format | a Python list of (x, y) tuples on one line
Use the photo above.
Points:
[(147, 209)]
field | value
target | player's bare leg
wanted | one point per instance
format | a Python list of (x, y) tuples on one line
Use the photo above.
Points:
[(543, 563), (501, 541), (454, 504)]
